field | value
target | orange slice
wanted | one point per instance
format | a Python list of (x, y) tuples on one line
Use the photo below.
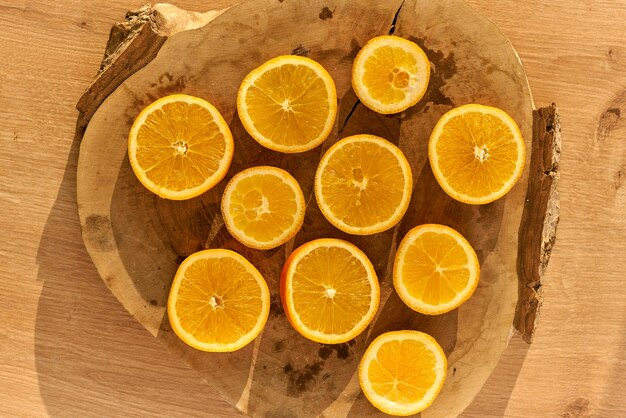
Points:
[(180, 146), (363, 184), (263, 207), (402, 372), (477, 153), (218, 301), (390, 74), (329, 290), (288, 104), (435, 269)]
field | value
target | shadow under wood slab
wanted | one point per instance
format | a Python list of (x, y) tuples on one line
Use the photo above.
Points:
[(137, 240)]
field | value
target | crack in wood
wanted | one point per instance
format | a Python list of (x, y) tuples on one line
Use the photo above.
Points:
[(392, 28), (345, 122)]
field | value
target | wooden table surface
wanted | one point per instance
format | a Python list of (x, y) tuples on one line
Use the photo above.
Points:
[(68, 348)]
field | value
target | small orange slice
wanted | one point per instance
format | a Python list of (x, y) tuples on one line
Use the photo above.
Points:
[(263, 207), (363, 184), (477, 153), (180, 146), (218, 301), (329, 290), (402, 372), (288, 104), (435, 269), (390, 74)]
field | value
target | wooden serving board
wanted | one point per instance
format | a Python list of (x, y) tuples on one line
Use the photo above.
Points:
[(137, 240)]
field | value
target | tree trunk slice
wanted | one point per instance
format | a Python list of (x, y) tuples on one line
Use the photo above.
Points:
[(137, 240)]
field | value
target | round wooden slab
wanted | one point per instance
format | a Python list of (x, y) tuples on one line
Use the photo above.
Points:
[(137, 240)]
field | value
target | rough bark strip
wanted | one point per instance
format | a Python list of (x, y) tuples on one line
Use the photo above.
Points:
[(540, 218), (132, 45)]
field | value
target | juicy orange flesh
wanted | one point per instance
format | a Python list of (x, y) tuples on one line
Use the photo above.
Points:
[(435, 268), (180, 146), (263, 207), (289, 105), (218, 301), (402, 371), (330, 290), (364, 183), (387, 74), (477, 154)]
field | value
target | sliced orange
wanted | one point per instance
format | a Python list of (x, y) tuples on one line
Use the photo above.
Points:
[(390, 74), (363, 184), (329, 290), (218, 301), (435, 269), (288, 104), (477, 153), (263, 207), (180, 146), (402, 372)]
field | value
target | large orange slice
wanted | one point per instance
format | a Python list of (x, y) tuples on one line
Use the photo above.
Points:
[(180, 146), (390, 74), (288, 104), (218, 301), (435, 269), (329, 290), (477, 153), (402, 372), (363, 184)]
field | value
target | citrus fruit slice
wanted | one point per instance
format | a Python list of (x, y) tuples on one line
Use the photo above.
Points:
[(288, 104), (218, 301), (263, 207), (329, 290), (402, 372), (363, 184), (180, 146), (477, 153), (435, 269), (390, 74)]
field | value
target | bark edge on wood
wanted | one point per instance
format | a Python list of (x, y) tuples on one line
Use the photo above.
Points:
[(540, 218), (132, 45)]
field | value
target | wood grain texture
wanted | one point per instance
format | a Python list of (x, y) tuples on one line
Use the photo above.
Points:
[(67, 347)]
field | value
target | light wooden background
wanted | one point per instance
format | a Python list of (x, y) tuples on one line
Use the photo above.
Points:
[(67, 348)]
